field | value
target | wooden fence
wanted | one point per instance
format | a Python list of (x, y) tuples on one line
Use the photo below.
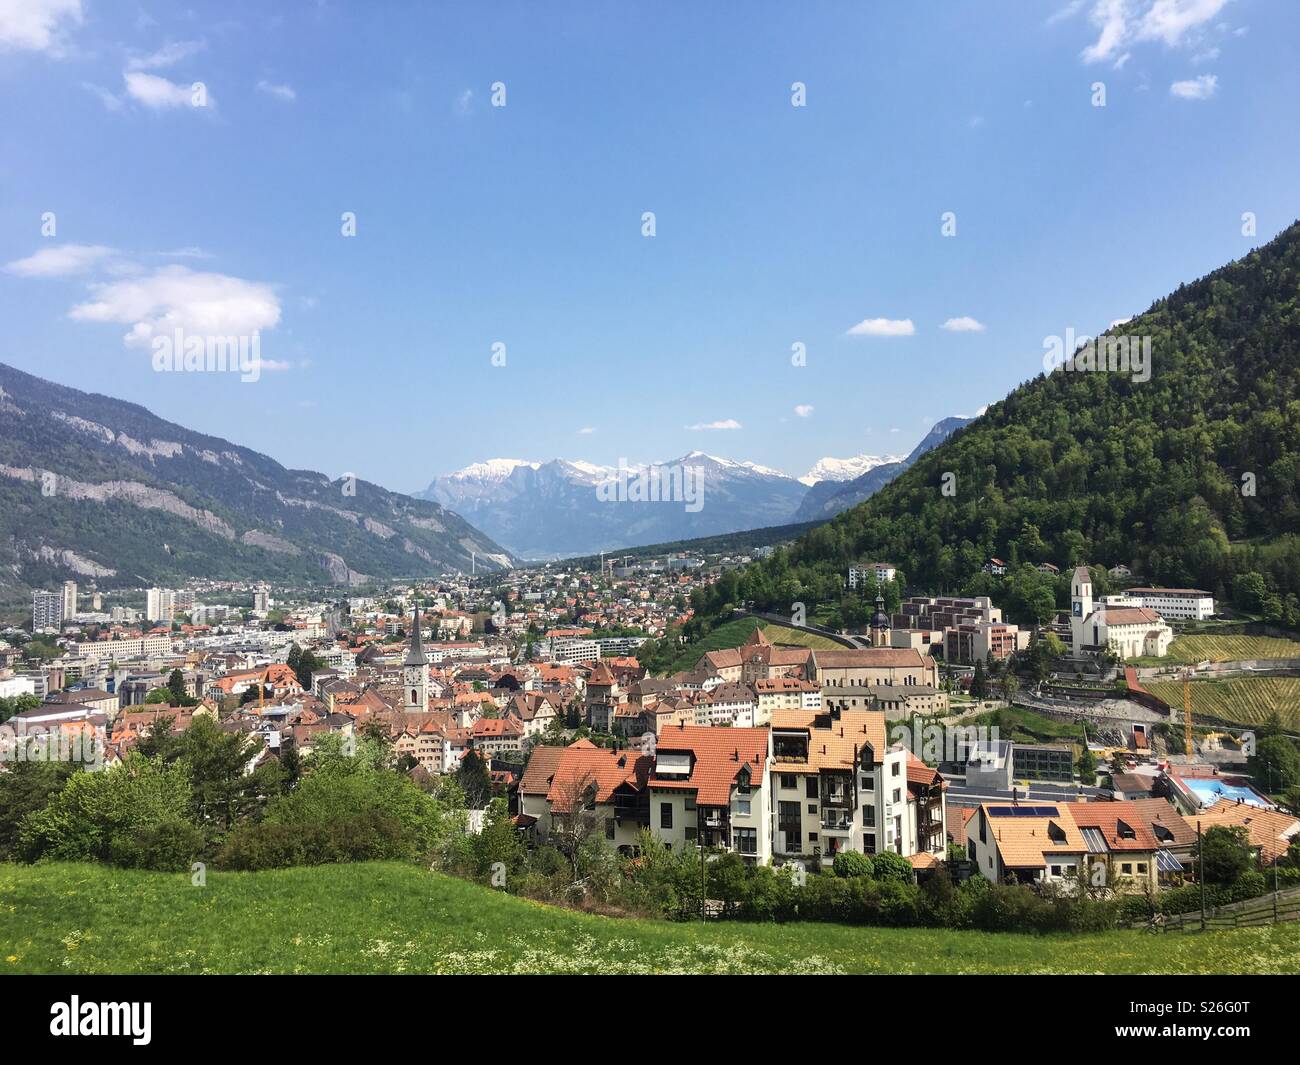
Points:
[(1249, 913)]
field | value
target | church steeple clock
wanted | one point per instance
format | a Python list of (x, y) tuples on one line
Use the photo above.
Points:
[(415, 673)]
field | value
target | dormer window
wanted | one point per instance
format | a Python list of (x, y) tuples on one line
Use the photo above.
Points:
[(1055, 832), (1124, 831)]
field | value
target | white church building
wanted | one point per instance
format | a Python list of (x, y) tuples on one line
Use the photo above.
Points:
[(1126, 630)]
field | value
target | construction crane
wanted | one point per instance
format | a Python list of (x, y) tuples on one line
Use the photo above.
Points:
[(1187, 713)]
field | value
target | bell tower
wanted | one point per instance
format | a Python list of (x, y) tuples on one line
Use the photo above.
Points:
[(415, 673)]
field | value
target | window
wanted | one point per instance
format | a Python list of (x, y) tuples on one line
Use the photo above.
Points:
[(810, 784), (665, 815), (1056, 870), (690, 835), (868, 783), (1142, 868), (869, 843), (869, 816), (898, 794), (1126, 868), (788, 781), (895, 768), (609, 828), (812, 807), (746, 840), (743, 806)]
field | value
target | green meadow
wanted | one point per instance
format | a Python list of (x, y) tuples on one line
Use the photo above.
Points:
[(391, 918)]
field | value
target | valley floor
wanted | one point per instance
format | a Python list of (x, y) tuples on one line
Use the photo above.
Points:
[(390, 918)]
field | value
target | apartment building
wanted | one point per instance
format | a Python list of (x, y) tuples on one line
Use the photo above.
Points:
[(838, 786), (154, 646), (863, 572), (47, 610), (783, 693), (975, 641), (1185, 604), (695, 786), (727, 705)]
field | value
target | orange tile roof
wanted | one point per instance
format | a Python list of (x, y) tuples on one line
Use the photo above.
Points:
[(1024, 843), (605, 768), (1108, 817), (1269, 830), (832, 746), (719, 754)]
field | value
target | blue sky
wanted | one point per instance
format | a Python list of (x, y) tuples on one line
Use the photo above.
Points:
[(522, 224)]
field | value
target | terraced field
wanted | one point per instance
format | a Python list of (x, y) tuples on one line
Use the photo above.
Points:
[(1238, 700), (1229, 648)]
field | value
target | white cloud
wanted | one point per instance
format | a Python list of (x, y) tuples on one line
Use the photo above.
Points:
[(465, 102), (883, 327), (1123, 22), (803, 410), (280, 92), (964, 324), (60, 261), (1201, 87), (159, 93), (726, 423), (37, 25), (586, 430), (1068, 11), (167, 56), (173, 297)]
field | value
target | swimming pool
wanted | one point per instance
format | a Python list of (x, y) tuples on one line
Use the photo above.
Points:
[(1208, 792)]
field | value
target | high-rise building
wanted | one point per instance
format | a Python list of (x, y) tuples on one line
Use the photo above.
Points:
[(69, 599), (159, 604), (47, 610)]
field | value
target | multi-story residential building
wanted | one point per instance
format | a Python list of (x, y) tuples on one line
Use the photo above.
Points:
[(69, 600), (838, 786), (159, 604), (972, 642), (1122, 849), (1186, 604), (47, 610), (862, 572), (783, 693), (730, 705), (494, 736), (603, 698), (154, 646), (696, 786)]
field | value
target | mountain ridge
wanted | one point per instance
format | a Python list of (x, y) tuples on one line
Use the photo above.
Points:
[(99, 487)]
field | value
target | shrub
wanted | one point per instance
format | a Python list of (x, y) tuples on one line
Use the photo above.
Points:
[(166, 847), (852, 863), (83, 820), (891, 866)]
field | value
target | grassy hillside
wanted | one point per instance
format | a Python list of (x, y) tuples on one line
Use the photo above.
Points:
[(786, 636), (1237, 700), (734, 633), (387, 918)]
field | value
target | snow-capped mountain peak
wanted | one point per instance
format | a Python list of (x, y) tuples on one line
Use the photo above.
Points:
[(491, 471), (833, 469)]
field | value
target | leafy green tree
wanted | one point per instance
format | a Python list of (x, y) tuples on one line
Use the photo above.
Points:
[(26, 787), (474, 780), (1275, 765), (1226, 853), (97, 811)]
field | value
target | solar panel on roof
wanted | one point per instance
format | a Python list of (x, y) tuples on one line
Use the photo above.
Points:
[(1167, 863)]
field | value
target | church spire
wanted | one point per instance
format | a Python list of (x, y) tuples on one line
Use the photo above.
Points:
[(415, 656)]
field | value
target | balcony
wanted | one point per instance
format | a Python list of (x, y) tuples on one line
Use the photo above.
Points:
[(711, 819), (636, 814), (836, 821)]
